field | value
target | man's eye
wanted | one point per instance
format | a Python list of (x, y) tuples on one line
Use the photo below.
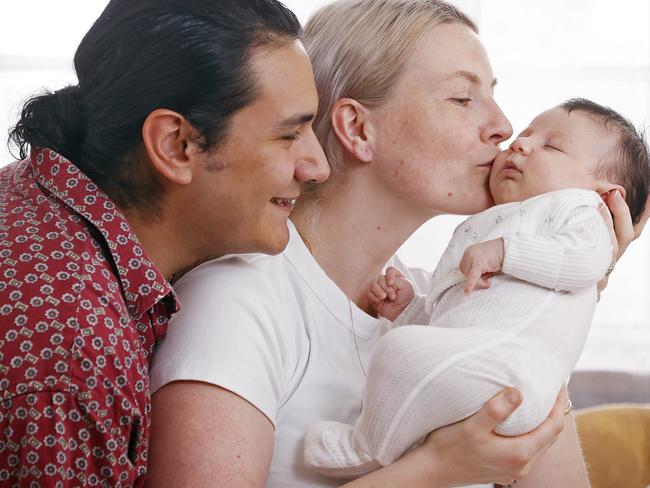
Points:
[(292, 137), (461, 101)]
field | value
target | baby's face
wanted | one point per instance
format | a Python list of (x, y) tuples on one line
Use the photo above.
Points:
[(557, 150)]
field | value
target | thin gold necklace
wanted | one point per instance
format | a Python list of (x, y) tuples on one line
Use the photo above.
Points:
[(354, 334)]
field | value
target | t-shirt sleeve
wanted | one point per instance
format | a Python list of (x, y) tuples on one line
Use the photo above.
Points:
[(226, 334)]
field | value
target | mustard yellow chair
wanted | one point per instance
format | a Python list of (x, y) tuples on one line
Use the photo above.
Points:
[(616, 444)]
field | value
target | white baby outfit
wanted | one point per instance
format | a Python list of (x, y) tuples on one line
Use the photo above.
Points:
[(527, 330)]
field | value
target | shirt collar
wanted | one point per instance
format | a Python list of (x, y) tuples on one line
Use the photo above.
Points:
[(143, 286)]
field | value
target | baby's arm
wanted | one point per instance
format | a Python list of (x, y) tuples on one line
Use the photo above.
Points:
[(480, 261), (575, 256)]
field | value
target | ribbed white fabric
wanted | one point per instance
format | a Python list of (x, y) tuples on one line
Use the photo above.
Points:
[(527, 330)]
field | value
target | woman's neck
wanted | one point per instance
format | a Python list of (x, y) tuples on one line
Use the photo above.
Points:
[(354, 234)]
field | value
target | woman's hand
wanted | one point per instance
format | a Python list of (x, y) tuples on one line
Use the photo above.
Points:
[(622, 230), (470, 452)]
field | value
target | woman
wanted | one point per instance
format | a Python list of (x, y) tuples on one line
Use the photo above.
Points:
[(267, 345)]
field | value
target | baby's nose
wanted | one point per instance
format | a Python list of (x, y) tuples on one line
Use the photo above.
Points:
[(520, 145)]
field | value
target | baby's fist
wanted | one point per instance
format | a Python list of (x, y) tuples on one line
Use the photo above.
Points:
[(391, 293)]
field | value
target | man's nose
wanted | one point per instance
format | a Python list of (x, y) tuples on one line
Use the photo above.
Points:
[(312, 165)]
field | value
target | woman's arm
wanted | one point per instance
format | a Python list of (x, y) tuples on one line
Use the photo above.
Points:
[(204, 435), (562, 466)]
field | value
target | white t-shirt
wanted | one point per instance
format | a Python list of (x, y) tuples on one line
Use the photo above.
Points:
[(276, 330)]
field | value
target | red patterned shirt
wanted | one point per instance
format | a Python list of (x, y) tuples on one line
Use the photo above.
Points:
[(81, 307)]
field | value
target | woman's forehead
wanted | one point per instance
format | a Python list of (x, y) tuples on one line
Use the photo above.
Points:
[(448, 52)]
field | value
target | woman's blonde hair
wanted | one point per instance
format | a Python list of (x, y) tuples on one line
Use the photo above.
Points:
[(358, 49)]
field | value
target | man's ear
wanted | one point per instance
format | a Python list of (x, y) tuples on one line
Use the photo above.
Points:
[(605, 187), (169, 141), (352, 126)]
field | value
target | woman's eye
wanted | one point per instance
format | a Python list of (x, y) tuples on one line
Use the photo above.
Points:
[(461, 101)]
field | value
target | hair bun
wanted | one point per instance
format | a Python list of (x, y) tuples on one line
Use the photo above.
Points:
[(52, 119), (69, 109)]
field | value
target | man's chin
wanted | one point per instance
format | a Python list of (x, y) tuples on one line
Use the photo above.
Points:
[(276, 241)]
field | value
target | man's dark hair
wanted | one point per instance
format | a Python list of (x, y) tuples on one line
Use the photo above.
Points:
[(628, 163), (189, 56)]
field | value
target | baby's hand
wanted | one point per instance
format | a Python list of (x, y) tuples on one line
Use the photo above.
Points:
[(391, 293), (481, 261)]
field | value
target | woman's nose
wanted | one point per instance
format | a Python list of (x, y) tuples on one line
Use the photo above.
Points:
[(499, 128)]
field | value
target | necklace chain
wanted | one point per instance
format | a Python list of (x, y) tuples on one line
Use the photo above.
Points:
[(354, 334)]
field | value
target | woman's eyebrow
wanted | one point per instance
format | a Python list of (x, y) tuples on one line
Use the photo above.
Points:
[(469, 76)]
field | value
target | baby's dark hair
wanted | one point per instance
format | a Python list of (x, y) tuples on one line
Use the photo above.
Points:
[(628, 163)]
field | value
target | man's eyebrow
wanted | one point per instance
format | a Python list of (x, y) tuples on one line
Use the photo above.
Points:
[(294, 120), (470, 76)]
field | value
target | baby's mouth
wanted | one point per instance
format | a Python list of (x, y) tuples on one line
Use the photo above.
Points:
[(510, 167)]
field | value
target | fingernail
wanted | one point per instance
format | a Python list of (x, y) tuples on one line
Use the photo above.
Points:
[(617, 195), (512, 396)]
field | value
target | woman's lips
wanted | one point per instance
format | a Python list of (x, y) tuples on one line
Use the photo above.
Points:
[(487, 165)]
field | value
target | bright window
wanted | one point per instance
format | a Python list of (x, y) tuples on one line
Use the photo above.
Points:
[(542, 53)]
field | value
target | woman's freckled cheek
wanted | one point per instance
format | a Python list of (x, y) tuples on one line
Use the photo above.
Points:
[(396, 171)]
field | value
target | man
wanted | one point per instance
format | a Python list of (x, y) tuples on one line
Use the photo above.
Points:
[(188, 137)]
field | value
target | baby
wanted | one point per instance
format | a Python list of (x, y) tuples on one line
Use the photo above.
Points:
[(544, 246)]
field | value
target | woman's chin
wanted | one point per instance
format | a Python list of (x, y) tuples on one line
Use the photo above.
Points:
[(473, 205)]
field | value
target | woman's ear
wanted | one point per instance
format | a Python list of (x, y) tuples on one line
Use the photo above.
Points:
[(352, 126), (168, 140)]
